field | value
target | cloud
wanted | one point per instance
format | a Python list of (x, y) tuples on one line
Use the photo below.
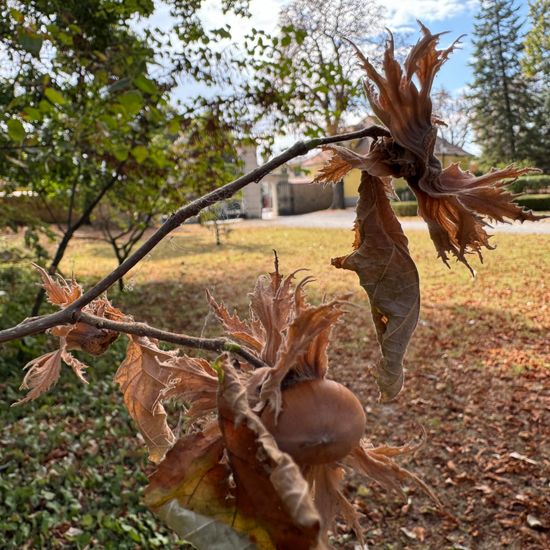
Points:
[(402, 13), (264, 16)]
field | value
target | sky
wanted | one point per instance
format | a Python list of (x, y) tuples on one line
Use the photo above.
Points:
[(455, 16)]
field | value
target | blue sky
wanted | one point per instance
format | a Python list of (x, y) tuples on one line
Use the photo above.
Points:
[(455, 16)]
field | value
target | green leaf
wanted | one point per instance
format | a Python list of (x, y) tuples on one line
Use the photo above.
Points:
[(30, 41), (109, 121), (174, 125), (16, 131), (44, 106), (132, 101), (32, 114), (120, 152), (140, 153), (54, 96), (17, 15), (119, 85), (65, 38), (300, 36), (146, 85), (87, 520), (159, 158)]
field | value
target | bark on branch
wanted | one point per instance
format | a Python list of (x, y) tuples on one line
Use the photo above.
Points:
[(143, 329), (73, 312)]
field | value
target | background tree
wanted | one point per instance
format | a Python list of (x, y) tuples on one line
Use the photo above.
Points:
[(536, 66), (86, 114), (454, 111), (536, 61), (307, 78), (504, 109)]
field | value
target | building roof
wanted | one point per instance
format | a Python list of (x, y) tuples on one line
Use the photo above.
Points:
[(362, 146), (443, 147)]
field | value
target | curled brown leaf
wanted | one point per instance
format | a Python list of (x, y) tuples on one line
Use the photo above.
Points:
[(247, 333), (389, 276), (377, 463), (59, 291), (303, 350), (453, 203), (148, 376), (43, 373), (269, 484)]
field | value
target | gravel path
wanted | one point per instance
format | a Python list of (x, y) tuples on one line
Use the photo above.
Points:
[(343, 219)]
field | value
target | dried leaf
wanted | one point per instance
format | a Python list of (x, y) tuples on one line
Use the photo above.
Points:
[(59, 292), (523, 458), (237, 329), (455, 204), (303, 349), (90, 339), (325, 481), (148, 376), (271, 305), (193, 479), (378, 162), (389, 276), (42, 375), (78, 366), (44, 370), (452, 202), (398, 103), (377, 464), (269, 484), (79, 336)]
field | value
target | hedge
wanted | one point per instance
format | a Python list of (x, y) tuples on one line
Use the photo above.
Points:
[(532, 184), (535, 202), (405, 208)]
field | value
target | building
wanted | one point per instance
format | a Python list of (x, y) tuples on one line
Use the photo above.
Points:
[(288, 190), (306, 170)]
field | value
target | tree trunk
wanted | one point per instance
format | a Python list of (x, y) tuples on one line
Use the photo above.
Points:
[(71, 230), (338, 201)]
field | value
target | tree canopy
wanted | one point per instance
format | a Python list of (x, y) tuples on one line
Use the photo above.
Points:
[(508, 107)]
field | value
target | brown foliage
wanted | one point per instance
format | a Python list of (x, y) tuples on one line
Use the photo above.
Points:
[(276, 499), (389, 276), (453, 203), (44, 371), (148, 376)]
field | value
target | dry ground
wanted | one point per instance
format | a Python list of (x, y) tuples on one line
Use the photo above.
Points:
[(478, 371)]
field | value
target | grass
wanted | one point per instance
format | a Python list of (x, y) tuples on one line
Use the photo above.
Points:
[(72, 466)]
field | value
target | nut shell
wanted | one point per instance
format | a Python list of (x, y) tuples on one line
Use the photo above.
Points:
[(321, 421)]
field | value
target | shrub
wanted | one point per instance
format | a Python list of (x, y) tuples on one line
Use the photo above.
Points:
[(405, 208), (535, 202), (25, 206), (531, 184), (402, 190)]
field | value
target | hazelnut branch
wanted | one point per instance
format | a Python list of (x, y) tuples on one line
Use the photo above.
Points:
[(72, 312), (219, 345)]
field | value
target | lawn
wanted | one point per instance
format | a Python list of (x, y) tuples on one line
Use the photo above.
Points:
[(477, 379)]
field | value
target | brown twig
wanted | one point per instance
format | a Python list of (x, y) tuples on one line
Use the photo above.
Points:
[(73, 312), (218, 345)]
